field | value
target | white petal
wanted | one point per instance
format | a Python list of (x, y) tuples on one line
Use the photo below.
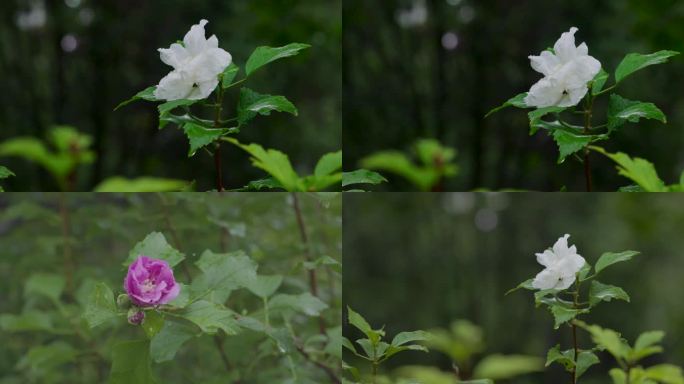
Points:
[(173, 86), (582, 49), (209, 64), (545, 93), (195, 41), (547, 258), (565, 282), (565, 46), (561, 245), (546, 63), (212, 42), (546, 279), (174, 56), (202, 90), (573, 96)]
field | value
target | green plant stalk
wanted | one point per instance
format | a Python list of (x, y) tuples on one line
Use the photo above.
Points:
[(217, 143), (575, 302), (266, 319)]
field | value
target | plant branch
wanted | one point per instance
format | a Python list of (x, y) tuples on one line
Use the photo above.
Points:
[(328, 370), (313, 282), (217, 145)]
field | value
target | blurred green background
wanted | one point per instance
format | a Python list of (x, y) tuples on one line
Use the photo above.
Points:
[(433, 68), (42, 232), (420, 261), (72, 61)]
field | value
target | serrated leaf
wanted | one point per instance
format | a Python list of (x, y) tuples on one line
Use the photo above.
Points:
[(328, 164), (638, 170), (275, 163), (607, 339), (229, 75), (527, 284), (562, 315), (517, 101), (131, 363), (223, 272), (565, 358), (609, 258), (155, 246), (665, 373), (305, 303), (634, 62), (264, 55), (169, 340), (5, 173), (621, 110), (211, 317), (101, 306), (145, 94), (604, 292), (265, 286), (355, 319), (536, 116), (569, 143), (200, 136), (585, 359), (252, 103)]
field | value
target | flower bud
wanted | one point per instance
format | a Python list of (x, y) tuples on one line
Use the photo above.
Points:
[(123, 301), (135, 316)]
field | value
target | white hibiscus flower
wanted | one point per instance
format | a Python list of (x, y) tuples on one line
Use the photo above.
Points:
[(562, 264), (196, 64), (567, 71)]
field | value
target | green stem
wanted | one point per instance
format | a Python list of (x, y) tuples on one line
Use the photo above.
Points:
[(266, 319), (575, 301), (606, 90), (374, 372)]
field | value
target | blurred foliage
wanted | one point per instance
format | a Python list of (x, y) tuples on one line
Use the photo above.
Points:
[(419, 261), (72, 61), (433, 68), (55, 247)]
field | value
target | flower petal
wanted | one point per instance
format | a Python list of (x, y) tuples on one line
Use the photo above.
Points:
[(195, 41), (546, 279), (174, 56), (546, 63), (565, 47), (174, 86)]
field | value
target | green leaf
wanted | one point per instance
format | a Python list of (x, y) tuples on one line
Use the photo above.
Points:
[(328, 164), (407, 337), (517, 101), (142, 184), (598, 82), (265, 286), (49, 285), (562, 315), (635, 61), (604, 292), (569, 143), (500, 367), (200, 136), (535, 117), (665, 373), (183, 297), (275, 163), (44, 359), (362, 176), (155, 246), (211, 317), (229, 75), (131, 363), (252, 104), (585, 359), (29, 321), (264, 55), (145, 94), (398, 163), (648, 339), (638, 170), (607, 339), (621, 110), (224, 272), (565, 358), (527, 284), (356, 320), (609, 258), (323, 261), (169, 340), (153, 323), (101, 306), (5, 173), (304, 303), (165, 110)]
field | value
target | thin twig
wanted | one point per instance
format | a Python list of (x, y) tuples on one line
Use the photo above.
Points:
[(328, 370), (313, 282)]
